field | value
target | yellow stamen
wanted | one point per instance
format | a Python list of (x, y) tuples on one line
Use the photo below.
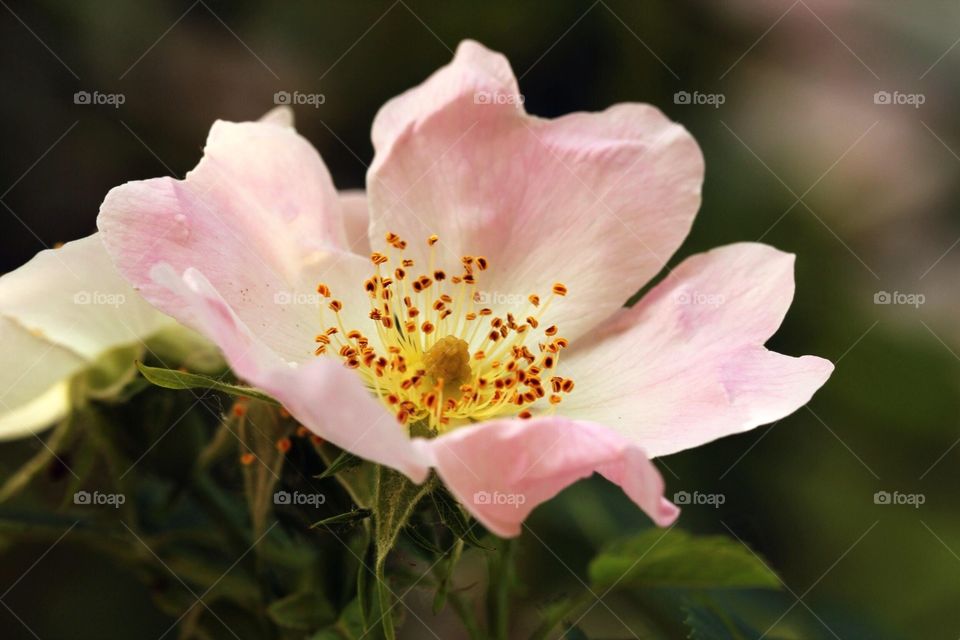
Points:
[(434, 357)]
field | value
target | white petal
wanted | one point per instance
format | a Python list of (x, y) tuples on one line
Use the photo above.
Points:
[(59, 313)]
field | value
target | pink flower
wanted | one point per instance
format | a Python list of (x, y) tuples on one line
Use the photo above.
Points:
[(488, 318)]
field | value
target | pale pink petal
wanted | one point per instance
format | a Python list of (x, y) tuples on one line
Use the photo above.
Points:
[(687, 365), (259, 217), (34, 380), (356, 220), (322, 394), (500, 470), (597, 201), (74, 297), (281, 116), (37, 413), (59, 314)]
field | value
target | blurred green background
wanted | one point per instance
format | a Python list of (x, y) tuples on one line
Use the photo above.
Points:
[(803, 153)]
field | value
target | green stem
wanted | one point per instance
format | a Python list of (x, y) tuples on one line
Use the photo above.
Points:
[(383, 601), (498, 591), (394, 500), (40, 461)]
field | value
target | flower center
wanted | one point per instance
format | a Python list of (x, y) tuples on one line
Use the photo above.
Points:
[(435, 356), (448, 360)]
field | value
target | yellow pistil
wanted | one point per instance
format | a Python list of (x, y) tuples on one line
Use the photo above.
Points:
[(448, 361), (433, 355)]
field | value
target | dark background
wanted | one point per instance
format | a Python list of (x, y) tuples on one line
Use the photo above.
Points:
[(799, 155)]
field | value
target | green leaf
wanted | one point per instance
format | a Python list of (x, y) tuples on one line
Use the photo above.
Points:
[(358, 479), (304, 611), (396, 496), (343, 518), (172, 379), (422, 541), (364, 597), (446, 576), (677, 560), (452, 517), (344, 461)]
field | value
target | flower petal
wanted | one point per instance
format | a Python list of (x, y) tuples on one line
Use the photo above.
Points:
[(60, 313), (322, 394), (74, 297), (597, 201), (258, 216), (281, 116), (687, 365), (31, 368), (500, 470), (42, 411), (356, 220)]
